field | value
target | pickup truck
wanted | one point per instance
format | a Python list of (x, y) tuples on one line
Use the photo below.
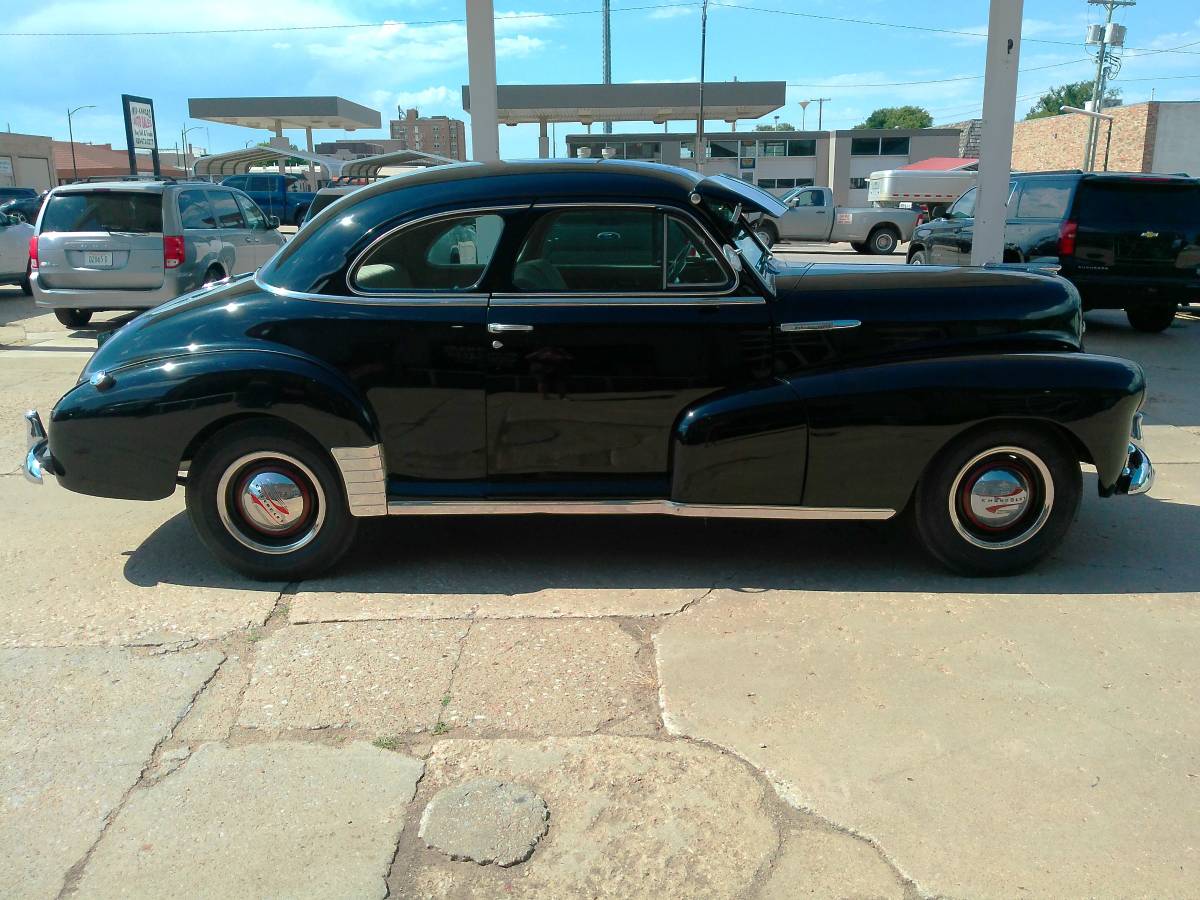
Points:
[(282, 196), (811, 216)]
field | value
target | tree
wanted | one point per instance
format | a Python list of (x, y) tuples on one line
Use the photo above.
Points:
[(781, 126), (1077, 94), (898, 117)]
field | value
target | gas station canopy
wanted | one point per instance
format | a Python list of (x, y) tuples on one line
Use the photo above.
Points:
[(237, 162), (277, 113), (661, 102)]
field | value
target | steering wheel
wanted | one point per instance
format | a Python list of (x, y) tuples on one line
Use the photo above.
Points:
[(678, 264)]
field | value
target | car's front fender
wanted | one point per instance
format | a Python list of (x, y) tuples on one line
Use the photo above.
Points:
[(126, 435)]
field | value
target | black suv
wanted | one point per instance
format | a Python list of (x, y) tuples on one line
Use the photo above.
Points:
[(1126, 241)]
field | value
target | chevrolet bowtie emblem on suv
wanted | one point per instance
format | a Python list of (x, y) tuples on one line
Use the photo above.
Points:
[(1149, 234)]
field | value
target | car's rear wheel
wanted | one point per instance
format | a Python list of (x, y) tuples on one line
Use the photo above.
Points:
[(918, 258), (212, 276), (269, 503), (73, 318), (997, 501), (883, 240), (298, 216), (26, 282), (1152, 317), (766, 233)]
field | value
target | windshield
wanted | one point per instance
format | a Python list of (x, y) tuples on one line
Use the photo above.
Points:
[(738, 229)]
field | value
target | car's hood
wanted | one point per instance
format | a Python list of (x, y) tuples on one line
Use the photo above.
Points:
[(890, 311)]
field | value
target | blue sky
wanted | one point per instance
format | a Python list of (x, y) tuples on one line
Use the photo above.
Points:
[(410, 64)]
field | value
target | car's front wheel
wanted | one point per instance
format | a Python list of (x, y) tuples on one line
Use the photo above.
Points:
[(883, 240), (1152, 317), (858, 247), (997, 501), (73, 318), (918, 258), (269, 503), (767, 234)]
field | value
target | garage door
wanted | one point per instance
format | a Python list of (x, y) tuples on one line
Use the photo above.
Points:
[(34, 172)]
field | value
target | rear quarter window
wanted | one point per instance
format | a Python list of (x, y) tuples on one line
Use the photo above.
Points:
[(1118, 204), (1044, 201), (137, 213)]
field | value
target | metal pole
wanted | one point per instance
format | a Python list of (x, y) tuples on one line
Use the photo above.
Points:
[(700, 155), (606, 50), (821, 101), (1107, 143), (481, 71), (71, 135), (999, 109)]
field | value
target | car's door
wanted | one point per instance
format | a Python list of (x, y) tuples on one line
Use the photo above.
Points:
[(809, 218), (263, 191), (615, 319), (263, 239), (234, 235), (950, 232), (200, 228)]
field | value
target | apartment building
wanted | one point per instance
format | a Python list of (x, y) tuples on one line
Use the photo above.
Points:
[(439, 135)]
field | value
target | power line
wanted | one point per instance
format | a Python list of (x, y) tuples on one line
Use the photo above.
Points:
[(864, 84)]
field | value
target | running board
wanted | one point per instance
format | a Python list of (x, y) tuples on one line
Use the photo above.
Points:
[(626, 508)]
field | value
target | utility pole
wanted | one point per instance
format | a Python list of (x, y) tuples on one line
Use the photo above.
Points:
[(606, 50), (71, 137), (700, 116), (821, 101), (1106, 67)]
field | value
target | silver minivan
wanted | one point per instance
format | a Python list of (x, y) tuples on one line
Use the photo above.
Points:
[(136, 244)]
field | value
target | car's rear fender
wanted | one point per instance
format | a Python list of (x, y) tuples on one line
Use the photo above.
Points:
[(873, 430), (128, 438)]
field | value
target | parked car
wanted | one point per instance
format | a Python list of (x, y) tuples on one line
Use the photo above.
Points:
[(136, 244), (1125, 241), (25, 209), (16, 193), (810, 215), (15, 235), (284, 196), (596, 336), (326, 197)]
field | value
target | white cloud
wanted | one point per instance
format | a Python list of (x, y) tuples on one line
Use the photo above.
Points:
[(430, 96), (672, 12)]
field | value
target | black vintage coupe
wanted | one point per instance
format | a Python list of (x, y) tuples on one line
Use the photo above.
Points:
[(596, 336)]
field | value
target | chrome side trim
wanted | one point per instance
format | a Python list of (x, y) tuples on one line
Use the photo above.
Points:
[(625, 508), (365, 479), (824, 325), (470, 299), (648, 299)]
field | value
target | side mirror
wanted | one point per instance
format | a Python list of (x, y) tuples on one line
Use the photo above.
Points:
[(272, 222)]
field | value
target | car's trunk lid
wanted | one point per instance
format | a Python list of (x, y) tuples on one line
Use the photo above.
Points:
[(102, 240), (1138, 226)]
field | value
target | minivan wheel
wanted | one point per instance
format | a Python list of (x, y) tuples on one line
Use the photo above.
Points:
[(1152, 317), (212, 276), (27, 283), (882, 241), (73, 318), (269, 503), (997, 501)]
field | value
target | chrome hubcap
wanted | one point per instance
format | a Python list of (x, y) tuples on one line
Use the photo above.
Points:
[(272, 502), (1001, 498)]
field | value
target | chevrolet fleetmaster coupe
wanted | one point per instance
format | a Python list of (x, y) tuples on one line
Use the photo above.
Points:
[(596, 336)]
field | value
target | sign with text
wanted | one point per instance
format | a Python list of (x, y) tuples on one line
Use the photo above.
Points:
[(139, 130)]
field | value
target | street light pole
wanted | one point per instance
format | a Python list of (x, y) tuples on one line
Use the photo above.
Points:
[(1095, 117), (71, 136), (700, 117), (183, 143)]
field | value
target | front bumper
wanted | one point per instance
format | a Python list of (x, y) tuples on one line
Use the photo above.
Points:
[(1138, 475), (38, 461)]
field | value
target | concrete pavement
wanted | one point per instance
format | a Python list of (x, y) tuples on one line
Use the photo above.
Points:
[(718, 709)]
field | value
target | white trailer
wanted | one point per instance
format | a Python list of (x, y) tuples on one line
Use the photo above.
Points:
[(892, 187)]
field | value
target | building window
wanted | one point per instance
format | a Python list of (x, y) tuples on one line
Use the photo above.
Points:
[(897, 146), (864, 146), (748, 149), (746, 163), (784, 183), (802, 148), (773, 148), (723, 149), (687, 149), (643, 150), (767, 183), (859, 184), (748, 176)]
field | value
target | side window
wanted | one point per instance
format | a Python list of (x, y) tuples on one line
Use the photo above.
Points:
[(810, 198), (237, 181), (690, 262), (449, 254), (257, 183), (226, 209), (194, 211), (964, 206), (605, 249), (1043, 201), (250, 211)]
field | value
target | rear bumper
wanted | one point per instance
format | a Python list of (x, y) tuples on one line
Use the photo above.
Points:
[(81, 298), (1123, 291)]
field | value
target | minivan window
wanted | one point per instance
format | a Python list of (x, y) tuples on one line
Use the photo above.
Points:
[(130, 212), (194, 211), (254, 217), (1116, 205), (226, 208), (1043, 201)]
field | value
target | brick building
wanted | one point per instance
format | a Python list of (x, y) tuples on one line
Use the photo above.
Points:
[(439, 135), (1156, 136)]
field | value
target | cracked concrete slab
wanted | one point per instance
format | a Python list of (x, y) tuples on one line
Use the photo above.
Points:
[(84, 570), (552, 677), (263, 820), (386, 678), (77, 727), (989, 743), (827, 864), (630, 817)]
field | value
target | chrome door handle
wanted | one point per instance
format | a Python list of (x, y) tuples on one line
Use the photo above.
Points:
[(823, 325), (501, 327)]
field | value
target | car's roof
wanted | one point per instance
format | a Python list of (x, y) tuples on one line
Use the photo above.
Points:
[(1148, 177), (148, 187)]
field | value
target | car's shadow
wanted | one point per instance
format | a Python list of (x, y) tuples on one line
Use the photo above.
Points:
[(1119, 546)]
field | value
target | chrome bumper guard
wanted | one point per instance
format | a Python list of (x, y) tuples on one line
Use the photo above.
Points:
[(1138, 475), (37, 453)]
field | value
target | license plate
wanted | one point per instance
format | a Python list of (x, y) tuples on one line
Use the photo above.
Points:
[(94, 260)]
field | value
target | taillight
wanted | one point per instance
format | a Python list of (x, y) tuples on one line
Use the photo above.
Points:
[(172, 251), (33, 259), (1066, 238)]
